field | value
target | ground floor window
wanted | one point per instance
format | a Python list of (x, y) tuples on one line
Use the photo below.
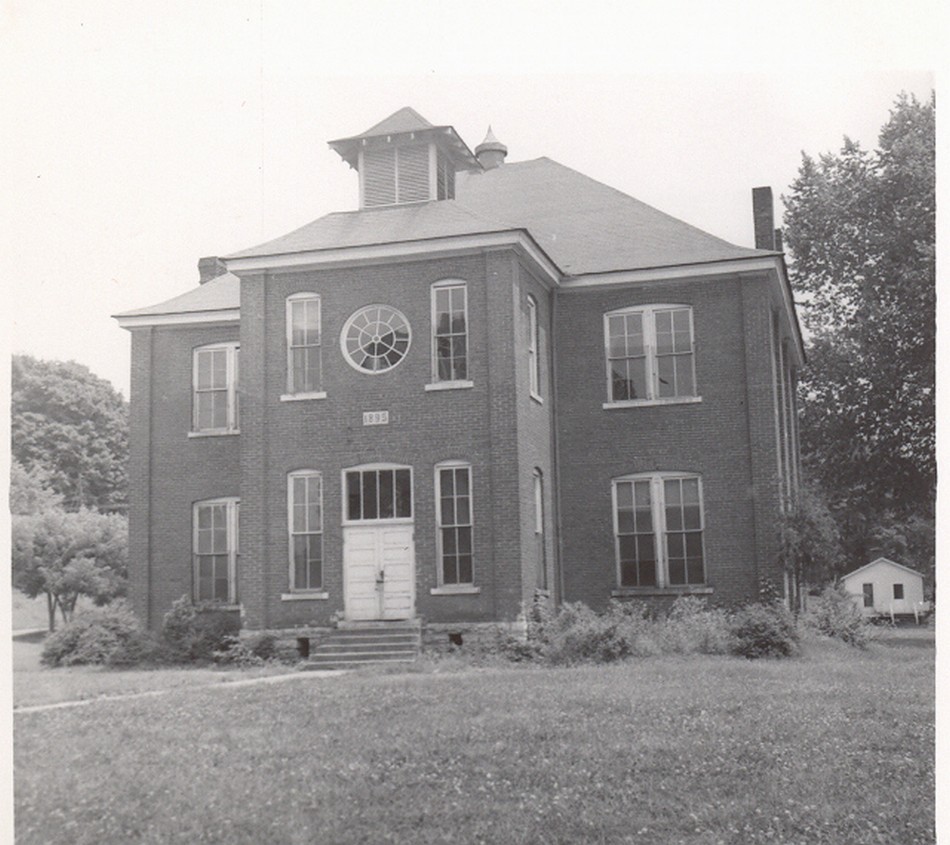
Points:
[(215, 546), (868, 590), (454, 516), (658, 530), (305, 526), (898, 591)]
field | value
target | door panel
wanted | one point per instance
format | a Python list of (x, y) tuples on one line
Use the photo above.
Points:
[(378, 564)]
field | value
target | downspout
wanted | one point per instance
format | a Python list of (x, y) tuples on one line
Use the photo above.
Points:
[(556, 481)]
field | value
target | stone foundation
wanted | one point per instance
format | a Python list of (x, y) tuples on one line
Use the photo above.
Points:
[(441, 637)]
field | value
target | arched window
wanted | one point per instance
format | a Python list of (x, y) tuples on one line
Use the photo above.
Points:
[(214, 385), (304, 345), (449, 332), (305, 528)]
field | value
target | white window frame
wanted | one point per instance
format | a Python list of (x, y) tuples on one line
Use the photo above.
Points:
[(232, 350), (232, 512), (395, 520), (458, 588), (649, 314), (534, 343), (435, 382), (658, 513), (352, 319), (292, 300), (313, 592)]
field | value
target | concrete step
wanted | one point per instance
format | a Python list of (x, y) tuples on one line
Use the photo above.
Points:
[(336, 646), (373, 637), (353, 660)]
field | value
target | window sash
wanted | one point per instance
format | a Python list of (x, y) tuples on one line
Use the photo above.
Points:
[(305, 530), (455, 522), (378, 494), (449, 332), (304, 344), (658, 531), (215, 550), (534, 374), (650, 353), (214, 388)]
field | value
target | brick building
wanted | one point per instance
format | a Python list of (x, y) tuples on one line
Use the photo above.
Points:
[(492, 379)]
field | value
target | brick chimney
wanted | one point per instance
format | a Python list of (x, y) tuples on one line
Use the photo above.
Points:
[(763, 216), (210, 267)]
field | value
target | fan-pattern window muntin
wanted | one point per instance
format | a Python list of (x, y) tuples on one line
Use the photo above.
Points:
[(375, 339), (304, 344), (649, 352), (449, 332), (378, 493), (454, 516), (214, 384), (305, 527), (215, 550), (658, 528)]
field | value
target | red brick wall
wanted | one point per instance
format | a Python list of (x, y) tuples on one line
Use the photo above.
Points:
[(168, 470), (726, 438)]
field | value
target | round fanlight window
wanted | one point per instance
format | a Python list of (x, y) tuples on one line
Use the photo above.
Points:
[(375, 339)]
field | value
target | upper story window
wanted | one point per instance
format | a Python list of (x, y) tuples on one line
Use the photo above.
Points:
[(649, 352), (375, 339), (304, 345), (305, 526), (658, 528), (215, 544), (215, 395), (534, 361), (449, 332)]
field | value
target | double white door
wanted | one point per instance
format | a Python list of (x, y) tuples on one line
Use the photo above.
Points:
[(378, 566)]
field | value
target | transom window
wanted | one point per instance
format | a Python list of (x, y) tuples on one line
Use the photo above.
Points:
[(454, 512), (375, 494), (649, 353), (449, 332), (304, 344), (214, 382), (375, 339), (658, 526), (215, 545), (305, 525)]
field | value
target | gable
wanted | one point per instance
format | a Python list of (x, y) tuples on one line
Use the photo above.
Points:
[(879, 565)]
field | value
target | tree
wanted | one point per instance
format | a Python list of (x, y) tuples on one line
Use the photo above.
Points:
[(72, 428), (64, 555), (861, 230), (30, 491)]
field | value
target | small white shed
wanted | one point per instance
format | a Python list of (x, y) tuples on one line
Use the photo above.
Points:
[(883, 587)]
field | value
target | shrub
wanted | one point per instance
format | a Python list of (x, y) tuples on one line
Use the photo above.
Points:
[(197, 631), (764, 630), (835, 614), (108, 635), (577, 634), (254, 650), (692, 628)]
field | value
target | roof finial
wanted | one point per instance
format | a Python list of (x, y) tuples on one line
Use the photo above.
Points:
[(491, 152)]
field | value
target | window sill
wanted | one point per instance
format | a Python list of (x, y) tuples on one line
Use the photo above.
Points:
[(536, 398), (214, 607), (627, 592), (455, 590), (214, 433), (304, 596), (302, 397), (641, 403), (449, 385)]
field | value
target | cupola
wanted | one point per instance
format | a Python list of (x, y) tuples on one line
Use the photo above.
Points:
[(405, 159), (491, 152)]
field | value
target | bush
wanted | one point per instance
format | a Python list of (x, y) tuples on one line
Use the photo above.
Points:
[(254, 650), (692, 628), (197, 631), (835, 614), (577, 635), (109, 636), (764, 630)]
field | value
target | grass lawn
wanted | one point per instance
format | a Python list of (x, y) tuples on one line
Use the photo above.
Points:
[(34, 683), (835, 747)]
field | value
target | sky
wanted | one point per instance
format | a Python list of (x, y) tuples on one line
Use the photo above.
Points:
[(147, 135)]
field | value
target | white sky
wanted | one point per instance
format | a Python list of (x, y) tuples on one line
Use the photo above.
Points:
[(146, 135)]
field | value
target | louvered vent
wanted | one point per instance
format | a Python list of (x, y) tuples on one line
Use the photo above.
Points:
[(379, 177), (413, 173), (445, 179)]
